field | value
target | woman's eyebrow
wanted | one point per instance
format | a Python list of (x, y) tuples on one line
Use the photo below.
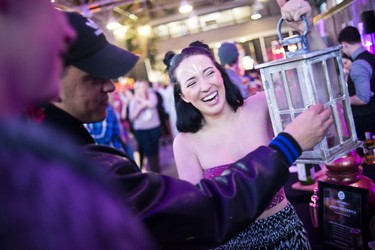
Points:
[(191, 78), (204, 71)]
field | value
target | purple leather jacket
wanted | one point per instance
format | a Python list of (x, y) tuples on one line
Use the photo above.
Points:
[(182, 216)]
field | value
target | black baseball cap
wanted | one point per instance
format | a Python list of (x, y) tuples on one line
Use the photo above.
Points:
[(92, 53)]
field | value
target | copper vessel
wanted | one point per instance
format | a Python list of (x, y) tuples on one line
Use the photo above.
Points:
[(347, 171)]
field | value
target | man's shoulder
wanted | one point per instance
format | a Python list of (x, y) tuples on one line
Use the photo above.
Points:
[(360, 66), (363, 54), (22, 139), (111, 161), (25, 131), (66, 123)]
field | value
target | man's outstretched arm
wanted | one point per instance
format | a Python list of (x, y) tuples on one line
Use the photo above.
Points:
[(180, 215)]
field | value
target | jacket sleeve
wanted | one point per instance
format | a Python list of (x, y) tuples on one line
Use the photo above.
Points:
[(182, 216)]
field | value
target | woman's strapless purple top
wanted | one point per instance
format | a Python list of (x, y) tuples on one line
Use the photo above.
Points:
[(217, 171)]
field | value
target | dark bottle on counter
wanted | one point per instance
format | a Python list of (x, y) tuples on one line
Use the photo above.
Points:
[(306, 174), (373, 150), (369, 146)]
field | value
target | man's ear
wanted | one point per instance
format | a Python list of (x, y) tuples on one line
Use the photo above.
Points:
[(59, 98), (56, 100), (65, 70)]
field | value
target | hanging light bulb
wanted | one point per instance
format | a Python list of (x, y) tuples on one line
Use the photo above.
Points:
[(185, 7), (257, 6), (256, 15), (112, 23)]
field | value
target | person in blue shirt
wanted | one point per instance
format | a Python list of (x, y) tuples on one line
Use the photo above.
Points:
[(109, 132), (361, 80)]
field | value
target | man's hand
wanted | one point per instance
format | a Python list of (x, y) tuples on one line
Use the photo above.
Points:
[(311, 126), (292, 11)]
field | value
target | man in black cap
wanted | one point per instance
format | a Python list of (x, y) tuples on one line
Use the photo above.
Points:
[(89, 67), (179, 215)]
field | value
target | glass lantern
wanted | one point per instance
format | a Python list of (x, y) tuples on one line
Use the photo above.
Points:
[(305, 78)]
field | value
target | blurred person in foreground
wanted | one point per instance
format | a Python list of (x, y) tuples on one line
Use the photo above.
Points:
[(51, 198), (361, 81), (177, 214)]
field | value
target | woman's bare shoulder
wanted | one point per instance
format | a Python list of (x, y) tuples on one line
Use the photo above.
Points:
[(184, 140), (256, 102), (260, 96)]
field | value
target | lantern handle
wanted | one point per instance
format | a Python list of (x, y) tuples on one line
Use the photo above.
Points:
[(300, 40), (304, 19)]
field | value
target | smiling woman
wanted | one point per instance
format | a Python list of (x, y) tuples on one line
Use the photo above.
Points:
[(192, 120), (201, 84), (213, 118)]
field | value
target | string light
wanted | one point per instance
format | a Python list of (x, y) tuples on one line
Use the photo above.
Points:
[(185, 7)]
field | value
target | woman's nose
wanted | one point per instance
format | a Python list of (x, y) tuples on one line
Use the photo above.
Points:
[(205, 85)]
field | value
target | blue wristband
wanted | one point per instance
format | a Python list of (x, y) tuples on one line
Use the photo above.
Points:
[(288, 146)]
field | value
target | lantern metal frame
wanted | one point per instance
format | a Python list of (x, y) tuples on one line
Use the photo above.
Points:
[(306, 78)]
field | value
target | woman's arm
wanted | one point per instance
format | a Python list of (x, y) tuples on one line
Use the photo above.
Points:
[(188, 166), (151, 101), (124, 105), (135, 108)]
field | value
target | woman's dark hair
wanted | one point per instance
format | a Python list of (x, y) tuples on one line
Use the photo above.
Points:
[(190, 119), (346, 56)]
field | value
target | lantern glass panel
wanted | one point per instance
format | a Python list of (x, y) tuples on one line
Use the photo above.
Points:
[(334, 74), (278, 86), (294, 87), (344, 121), (320, 82), (285, 120), (332, 135)]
